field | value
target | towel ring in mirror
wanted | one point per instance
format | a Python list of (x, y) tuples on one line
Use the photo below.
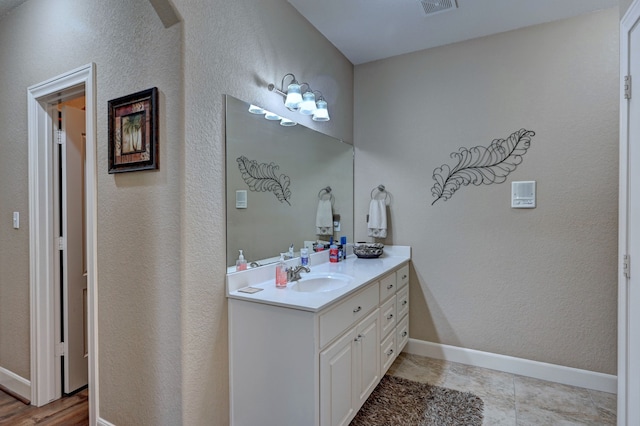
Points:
[(326, 191)]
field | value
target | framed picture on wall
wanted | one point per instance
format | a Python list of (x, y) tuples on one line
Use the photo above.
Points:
[(133, 132)]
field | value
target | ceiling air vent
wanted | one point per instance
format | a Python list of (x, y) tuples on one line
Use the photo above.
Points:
[(431, 7)]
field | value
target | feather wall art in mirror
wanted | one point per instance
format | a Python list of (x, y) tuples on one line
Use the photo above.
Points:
[(481, 165), (263, 178)]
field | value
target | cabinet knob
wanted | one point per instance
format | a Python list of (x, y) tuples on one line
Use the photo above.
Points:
[(404, 277), (404, 334), (390, 286), (357, 339), (389, 352), (404, 302), (358, 309), (389, 316)]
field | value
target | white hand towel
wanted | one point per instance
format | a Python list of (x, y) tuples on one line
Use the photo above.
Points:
[(377, 225), (324, 218)]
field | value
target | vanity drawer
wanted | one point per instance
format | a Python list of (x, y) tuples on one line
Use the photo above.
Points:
[(402, 331), (388, 317), (388, 352), (403, 302), (339, 318), (387, 286), (402, 275)]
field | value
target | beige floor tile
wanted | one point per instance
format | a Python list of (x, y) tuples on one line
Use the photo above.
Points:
[(419, 369), (606, 404), (539, 402), (512, 400)]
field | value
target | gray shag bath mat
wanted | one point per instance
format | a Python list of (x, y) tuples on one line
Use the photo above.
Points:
[(398, 401)]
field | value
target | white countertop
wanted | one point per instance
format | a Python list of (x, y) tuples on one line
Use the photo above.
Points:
[(363, 272)]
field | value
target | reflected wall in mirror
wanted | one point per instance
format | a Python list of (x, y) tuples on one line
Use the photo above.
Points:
[(285, 170)]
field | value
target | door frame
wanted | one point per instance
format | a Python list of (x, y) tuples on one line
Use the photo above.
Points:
[(41, 238), (628, 394)]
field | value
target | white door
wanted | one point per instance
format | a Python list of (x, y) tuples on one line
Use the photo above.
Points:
[(74, 266), (629, 277)]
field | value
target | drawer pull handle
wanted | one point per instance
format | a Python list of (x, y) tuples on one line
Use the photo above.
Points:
[(357, 339), (389, 352), (404, 277), (390, 286), (404, 334), (358, 309), (404, 302), (389, 316)]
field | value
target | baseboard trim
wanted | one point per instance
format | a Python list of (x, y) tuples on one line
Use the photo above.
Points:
[(20, 387), (103, 422), (508, 364)]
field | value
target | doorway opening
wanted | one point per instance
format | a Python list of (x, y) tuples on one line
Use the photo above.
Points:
[(62, 222)]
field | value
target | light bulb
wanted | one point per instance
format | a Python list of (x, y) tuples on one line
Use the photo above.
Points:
[(271, 116), (308, 105), (321, 113), (254, 109), (287, 123), (294, 98)]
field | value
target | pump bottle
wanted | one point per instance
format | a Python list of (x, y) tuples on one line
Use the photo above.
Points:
[(241, 263), (281, 272)]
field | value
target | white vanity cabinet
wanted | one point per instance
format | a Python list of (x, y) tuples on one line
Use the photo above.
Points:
[(394, 318), (293, 366), (349, 372)]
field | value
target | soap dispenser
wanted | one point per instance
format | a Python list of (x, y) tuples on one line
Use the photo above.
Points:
[(281, 272), (241, 263)]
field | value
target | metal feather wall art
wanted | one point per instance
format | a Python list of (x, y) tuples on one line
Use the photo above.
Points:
[(262, 177), (481, 165)]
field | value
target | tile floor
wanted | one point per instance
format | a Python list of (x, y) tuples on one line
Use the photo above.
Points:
[(510, 399)]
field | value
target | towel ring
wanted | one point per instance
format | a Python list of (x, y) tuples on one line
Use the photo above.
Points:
[(326, 191), (381, 189)]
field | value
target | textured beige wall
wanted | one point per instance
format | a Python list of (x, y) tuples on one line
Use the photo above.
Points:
[(538, 284), (138, 213), (161, 235), (237, 48)]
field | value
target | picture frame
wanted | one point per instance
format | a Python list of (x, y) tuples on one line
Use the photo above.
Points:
[(133, 132)]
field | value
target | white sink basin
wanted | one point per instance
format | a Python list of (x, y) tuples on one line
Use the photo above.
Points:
[(318, 282)]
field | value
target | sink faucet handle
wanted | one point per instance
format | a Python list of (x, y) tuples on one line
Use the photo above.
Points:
[(293, 273)]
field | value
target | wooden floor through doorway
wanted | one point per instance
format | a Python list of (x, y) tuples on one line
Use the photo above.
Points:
[(69, 411)]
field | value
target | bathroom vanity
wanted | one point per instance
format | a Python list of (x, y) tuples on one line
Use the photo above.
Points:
[(312, 354)]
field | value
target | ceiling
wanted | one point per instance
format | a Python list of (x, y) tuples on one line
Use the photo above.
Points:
[(367, 30)]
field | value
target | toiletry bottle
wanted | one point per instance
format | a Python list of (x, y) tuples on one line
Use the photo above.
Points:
[(281, 272), (291, 253), (241, 263), (304, 256), (333, 253), (343, 243)]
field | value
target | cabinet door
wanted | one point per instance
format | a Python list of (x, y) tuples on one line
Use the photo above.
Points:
[(366, 357), (336, 381)]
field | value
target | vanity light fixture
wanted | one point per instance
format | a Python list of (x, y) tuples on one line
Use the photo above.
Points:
[(255, 109), (271, 116), (287, 123), (302, 101)]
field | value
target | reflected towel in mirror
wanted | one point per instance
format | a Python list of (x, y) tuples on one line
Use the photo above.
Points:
[(377, 225), (324, 218)]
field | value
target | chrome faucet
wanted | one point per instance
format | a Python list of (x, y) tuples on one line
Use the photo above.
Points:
[(293, 273)]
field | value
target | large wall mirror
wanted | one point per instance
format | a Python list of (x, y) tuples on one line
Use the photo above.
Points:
[(276, 177)]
